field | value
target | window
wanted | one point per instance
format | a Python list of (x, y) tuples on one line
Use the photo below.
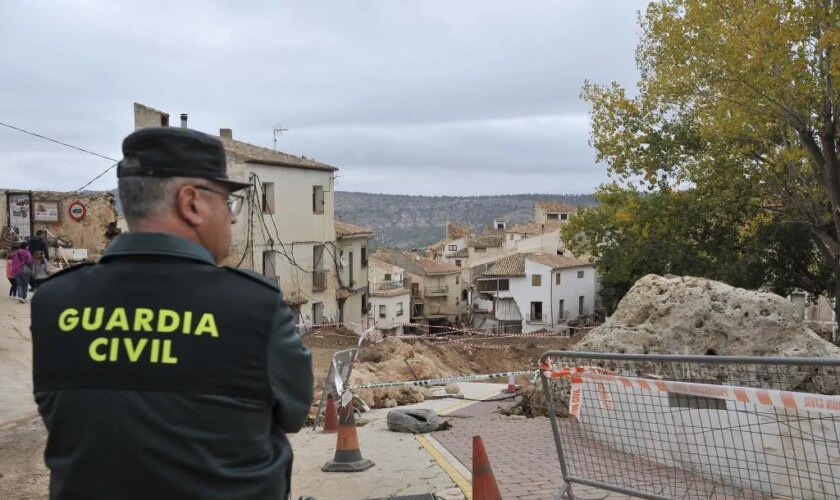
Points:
[(500, 225), (453, 248), (557, 279), (387, 276), (564, 216), (457, 280), (580, 274), (581, 311), (536, 280), (465, 295), (480, 250), (364, 304), (560, 252), (551, 216), (317, 199), (382, 310), (490, 285), (268, 197), (399, 308), (458, 262), (364, 257), (562, 309)]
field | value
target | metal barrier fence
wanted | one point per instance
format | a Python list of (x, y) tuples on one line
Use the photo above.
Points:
[(341, 367), (665, 427)]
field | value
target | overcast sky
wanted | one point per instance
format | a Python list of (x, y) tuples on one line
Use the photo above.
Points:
[(409, 97)]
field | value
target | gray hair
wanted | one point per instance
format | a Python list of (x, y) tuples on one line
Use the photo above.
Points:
[(145, 197)]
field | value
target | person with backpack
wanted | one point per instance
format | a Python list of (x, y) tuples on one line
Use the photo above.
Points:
[(40, 269), (22, 270)]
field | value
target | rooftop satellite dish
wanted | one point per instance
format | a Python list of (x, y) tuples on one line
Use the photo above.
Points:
[(343, 261)]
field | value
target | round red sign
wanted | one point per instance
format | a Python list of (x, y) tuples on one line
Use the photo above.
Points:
[(77, 210)]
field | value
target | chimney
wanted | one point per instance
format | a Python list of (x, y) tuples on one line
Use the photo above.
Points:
[(226, 132), (183, 120)]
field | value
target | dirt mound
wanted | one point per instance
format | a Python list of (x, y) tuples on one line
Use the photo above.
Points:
[(393, 360), (687, 315)]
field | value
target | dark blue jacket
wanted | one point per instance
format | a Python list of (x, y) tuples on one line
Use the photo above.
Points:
[(160, 375)]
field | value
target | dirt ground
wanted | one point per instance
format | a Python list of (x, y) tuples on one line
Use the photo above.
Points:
[(22, 436)]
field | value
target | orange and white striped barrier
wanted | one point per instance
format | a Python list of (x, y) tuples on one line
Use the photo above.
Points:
[(789, 400)]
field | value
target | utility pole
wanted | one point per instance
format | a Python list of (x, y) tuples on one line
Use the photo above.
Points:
[(278, 129)]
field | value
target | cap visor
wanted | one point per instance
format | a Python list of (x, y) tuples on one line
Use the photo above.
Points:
[(232, 185)]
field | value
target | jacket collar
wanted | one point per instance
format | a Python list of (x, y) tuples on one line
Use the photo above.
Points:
[(157, 244)]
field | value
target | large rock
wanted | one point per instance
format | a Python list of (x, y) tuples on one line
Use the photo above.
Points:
[(687, 315)]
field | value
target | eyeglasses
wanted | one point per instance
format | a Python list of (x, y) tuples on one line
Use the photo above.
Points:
[(234, 201)]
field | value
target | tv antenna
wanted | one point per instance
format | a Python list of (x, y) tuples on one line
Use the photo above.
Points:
[(278, 129)]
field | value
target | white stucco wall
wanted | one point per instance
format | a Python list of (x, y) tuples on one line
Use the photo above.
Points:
[(571, 288), (296, 226), (391, 320), (360, 274), (460, 243), (545, 243)]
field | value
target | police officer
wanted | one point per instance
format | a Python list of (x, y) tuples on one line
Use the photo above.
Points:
[(158, 373)]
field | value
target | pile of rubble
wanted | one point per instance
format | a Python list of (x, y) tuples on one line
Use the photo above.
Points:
[(698, 316), (393, 360), (687, 315)]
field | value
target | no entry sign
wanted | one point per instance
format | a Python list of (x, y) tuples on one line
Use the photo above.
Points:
[(77, 210)]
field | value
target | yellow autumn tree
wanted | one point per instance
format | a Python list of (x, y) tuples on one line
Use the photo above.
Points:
[(739, 98)]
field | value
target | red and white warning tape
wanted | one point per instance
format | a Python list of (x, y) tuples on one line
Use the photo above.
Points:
[(761, 397)]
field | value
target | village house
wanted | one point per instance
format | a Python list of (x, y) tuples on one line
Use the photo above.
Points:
[(548, 211), (286, 230), (352, 244), (437, 290), (526, 292), (390, 297)]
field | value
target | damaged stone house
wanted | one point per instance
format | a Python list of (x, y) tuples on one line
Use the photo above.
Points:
[(85, 222)]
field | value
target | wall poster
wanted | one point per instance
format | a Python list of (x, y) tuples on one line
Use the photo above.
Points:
[(19, 206), (46, 211)]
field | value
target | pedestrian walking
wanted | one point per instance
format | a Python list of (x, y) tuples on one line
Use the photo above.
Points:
[(22, 270), (10, 273), (41, 269), (158, 373)]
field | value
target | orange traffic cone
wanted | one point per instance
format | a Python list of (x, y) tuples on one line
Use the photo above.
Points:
[(348, 457), (330, 417), (511, 384), (484, 485)]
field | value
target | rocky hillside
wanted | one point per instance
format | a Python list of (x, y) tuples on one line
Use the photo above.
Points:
[(402, 221), (405, 222)]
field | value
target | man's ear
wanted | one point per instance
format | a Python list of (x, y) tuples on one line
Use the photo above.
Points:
[(188, 205)]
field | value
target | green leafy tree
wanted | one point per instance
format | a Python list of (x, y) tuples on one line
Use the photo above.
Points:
[(740, 100)]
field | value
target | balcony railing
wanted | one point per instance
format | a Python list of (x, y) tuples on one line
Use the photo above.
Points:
[(319, 281), (436, 291), (386, 285)]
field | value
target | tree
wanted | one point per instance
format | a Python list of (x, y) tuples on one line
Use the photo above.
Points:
[(632, 234), (739, 97), (690, 232)]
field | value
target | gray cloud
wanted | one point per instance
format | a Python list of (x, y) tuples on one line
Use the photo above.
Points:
[(435, 97)]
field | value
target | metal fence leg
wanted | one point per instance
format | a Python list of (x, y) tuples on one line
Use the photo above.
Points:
[(565, 493)]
